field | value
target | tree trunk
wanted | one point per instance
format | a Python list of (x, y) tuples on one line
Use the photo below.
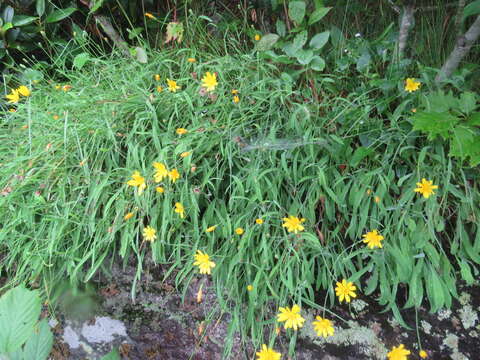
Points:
[(462, 47), (406, 24)]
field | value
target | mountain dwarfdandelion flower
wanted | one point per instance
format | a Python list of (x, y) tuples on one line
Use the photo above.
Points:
[(174, 175), (149, 233), (209, 81), (323, 327), (268, 354), (161, 171), (426, 188), (411, 85), (345, 290), (293, 224), (137, 181), (291, 317), (373, 239), (202, 260), (398, 353), (172, 85), (179, 209)]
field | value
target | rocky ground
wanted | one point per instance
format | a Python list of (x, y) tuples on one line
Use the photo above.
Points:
[(159, 325)]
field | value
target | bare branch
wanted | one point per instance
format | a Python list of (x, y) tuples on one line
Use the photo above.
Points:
[(462, 47), (395, 8)]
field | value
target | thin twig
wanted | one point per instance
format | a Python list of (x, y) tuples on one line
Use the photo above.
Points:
[(395, 8)]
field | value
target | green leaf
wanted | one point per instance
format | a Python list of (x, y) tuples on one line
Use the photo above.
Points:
[(360, 154), (96, 5), (465, 143), (474, 119), (317, 63), (319, 40), (6, 27), (471, 9), (468, 102), (59, 15), (38, 347), (318, 15), (300, 40), (8, 13), (281, 28), (466, 273), (296, 11), (19, 312), (32, 75), (434, 123), (304, 56), (40, 7), (80, 60), (266, 42), (112, 355), (21, 20), (364, 61)]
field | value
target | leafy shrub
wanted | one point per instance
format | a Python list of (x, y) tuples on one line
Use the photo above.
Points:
[(455, 119), (22, 335)]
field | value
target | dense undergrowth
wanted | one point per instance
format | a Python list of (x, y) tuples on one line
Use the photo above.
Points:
[(340, 152)]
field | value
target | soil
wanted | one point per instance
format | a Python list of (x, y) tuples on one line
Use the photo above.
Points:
[(162, 323)]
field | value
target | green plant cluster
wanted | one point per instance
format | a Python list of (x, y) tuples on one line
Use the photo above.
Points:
[(455, 119), (22, 335)]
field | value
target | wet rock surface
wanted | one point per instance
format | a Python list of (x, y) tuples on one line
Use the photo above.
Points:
[(164, 324)]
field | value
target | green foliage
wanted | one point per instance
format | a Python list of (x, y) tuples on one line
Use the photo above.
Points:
[(454, 119), (22, 335)]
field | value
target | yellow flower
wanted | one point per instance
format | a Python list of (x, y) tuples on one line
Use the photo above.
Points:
[(209, 81), (234, 91), (181, 131), (376, 199), (211, 228), (24, 91), (414, 110), (66, 88), (156, 77), (293, 224), (249, 287), (159, 89), (268, 354), (180, 210), (57, 87), (185, 154), (239, 231), (191, 60), (292, 317), (55, 117), (323, 327), (203, 262), (345, 290), (160, 189), (13, 97), (12, 110), (172, 85), (161, 171), (423, 354), (128, 216), (149, 233), (236, 99), (257, 37), (137, 181), (398, 353), (411, 85), (150, 16), (373, 239), (174, 175), (259, 221), (426, 188)]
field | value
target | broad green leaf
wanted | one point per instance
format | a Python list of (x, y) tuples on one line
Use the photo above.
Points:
[(296, 11), (112, 355), (6, 26), (318, 15), (80, 60), (304, 56), (300, 40), (281, 28), (360, 154), (8, 13), (471, 9), (466, 273), (21, 20), (474, 119), (319, 40), (59, 15), (364, 61), (468, 102), (465, 143), (434, 123), (19, 312), (440, 102), (38, 347), (40, 7), (317, 63), (266, 42)]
